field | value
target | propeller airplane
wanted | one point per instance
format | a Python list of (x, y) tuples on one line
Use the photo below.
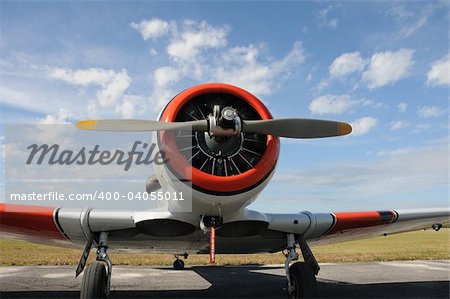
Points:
[(234, 151)]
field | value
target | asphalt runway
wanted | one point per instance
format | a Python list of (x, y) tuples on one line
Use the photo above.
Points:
[(413, 279)]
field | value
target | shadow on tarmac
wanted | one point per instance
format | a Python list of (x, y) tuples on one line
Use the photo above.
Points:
[(249, 282)]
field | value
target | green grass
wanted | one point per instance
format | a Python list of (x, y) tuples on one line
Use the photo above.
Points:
[(423, 245)]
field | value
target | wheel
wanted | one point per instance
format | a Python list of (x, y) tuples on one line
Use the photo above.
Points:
[(94, 282), (178, 264), (303, 280)]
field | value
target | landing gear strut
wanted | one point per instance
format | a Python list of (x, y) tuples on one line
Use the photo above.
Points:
[(300, 276), (97, 276), (179, 264)]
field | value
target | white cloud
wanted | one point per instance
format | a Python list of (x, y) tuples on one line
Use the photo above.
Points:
[(430, 111), (113, 84), (165, 75), (346, 64), (371, 103), (422, 127), (403, 170), (198, 51), (331, 104), (395, 152), (402, 107), (411, 22), (325, 19), (242, 66), (82, 76), (131, 106), (399, 124), (195, 37), (62, 117), (152, 28), (114, 90), (363, 125), (388, 67), (439, 74), (20, 99), (323, 84), (413, 27)]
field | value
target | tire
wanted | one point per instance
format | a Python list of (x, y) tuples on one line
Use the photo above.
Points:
[(94, 282), (303, 280), (178, 265)]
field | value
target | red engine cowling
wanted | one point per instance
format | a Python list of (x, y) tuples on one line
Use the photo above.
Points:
[(219, 166)]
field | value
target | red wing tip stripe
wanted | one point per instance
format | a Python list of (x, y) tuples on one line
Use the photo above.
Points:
[(29, 220), (354, 220)]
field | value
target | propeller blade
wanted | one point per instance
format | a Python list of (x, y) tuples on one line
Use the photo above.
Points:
[(297, 127), (136, 125)]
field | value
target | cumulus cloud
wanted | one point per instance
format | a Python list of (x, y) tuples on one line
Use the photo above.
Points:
[(165, 75), (331, 104), (131, 106), (346, 64), (113, 84), (430, 111), (439, 74), (198, 51), (388, 67), (62, 117), (244, 67), (363, 125), (398, 124), (194, 37), (151, 29), (402, 107)]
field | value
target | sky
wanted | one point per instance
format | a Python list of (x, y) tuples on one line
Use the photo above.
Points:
[(383, 66)]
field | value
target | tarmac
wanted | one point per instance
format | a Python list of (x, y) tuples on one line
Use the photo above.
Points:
[(409, 279)]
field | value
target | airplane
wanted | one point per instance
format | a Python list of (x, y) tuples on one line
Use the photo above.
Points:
[(235, 147)]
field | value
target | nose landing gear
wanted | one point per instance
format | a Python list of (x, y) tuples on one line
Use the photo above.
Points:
[(300, 276), (97, 276)]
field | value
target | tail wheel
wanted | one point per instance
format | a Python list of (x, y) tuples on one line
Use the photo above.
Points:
[(178, 264), (303, 280), (95, 280)]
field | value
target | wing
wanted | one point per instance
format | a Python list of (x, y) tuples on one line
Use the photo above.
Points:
[(245, 232), (344, 226)]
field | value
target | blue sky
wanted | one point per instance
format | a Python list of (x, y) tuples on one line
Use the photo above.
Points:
[(382, 66)]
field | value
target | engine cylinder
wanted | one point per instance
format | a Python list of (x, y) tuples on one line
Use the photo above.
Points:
[(218, 165)]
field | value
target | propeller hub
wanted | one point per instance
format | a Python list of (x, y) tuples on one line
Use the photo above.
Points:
[(225, 122), (229, 114)]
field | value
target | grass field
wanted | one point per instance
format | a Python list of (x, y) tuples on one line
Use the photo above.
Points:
[(423, 245)]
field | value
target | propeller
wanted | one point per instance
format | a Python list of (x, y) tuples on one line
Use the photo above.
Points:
[(297, 127), (138, 125), (289, 127)]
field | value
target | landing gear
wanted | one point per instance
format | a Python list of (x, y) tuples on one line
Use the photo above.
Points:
[(97, 277), (300, 276), (303, 281), (95, 280), (179, 264)]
